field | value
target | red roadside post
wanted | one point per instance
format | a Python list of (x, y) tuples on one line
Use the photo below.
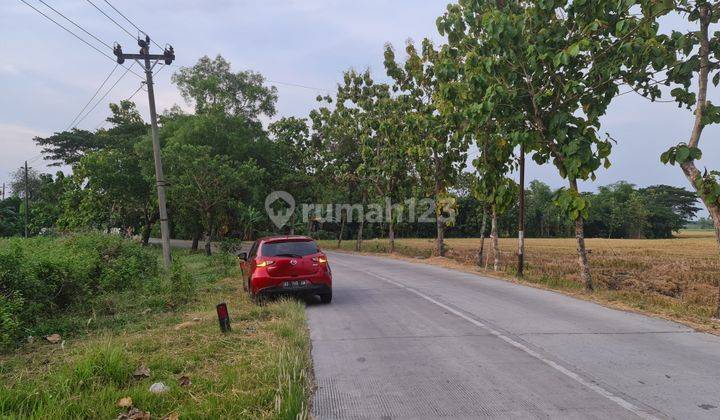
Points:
[(223, 317)]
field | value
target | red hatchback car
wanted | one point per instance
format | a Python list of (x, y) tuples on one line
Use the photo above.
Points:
[(286, 265)]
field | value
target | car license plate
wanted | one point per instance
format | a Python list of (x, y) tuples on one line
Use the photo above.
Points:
[(295, 284)]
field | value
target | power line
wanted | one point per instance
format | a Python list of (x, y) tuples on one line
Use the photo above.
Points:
[(112, 20), (298, 85), (105, 95), (93, 97), (68, 30), (284, 83), (103, 122), (76, 36), (76, 25), (159, 70), (131, 22), (35, 158)]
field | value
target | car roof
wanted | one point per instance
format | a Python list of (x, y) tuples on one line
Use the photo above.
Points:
[(286, 238)]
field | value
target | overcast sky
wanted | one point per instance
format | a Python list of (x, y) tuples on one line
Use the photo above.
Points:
[(46, 75)]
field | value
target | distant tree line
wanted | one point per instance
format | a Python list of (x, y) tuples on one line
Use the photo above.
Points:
[(619, 210), (57, 202)]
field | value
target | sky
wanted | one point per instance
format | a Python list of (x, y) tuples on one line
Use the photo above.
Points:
[(47, 75)]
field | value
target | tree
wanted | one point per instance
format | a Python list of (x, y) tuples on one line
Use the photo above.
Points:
[(339, 134), (67, 147), (46, 206), (539, 208), (113, 183), (209, 183), (669, 209), (11, 223), (557, 65), (693, 57), (384, 158), (228, 107), (296, 159), (617, 211), (437, 149), (17, 183), (212, 86), (119, 189)]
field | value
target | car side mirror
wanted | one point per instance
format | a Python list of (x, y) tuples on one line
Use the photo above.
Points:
[(242, 256)]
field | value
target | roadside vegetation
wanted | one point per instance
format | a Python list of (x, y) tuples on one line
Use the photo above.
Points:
[(655, 276), (454, 120), (141, 317)]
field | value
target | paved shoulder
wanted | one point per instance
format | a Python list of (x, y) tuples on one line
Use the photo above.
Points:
[(405, 340)]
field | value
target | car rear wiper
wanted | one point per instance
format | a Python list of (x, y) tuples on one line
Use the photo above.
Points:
[(289, 255)]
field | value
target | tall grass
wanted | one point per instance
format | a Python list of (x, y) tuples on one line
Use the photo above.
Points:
[(258, 370)]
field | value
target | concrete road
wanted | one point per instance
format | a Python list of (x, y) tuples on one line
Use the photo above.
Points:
[(409, 340), (178, 243), (187, 244)]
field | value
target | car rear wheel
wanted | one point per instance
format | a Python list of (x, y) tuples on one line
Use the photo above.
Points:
[(326, 297)]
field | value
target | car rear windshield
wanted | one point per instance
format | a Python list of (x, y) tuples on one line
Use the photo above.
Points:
[(289, 249)]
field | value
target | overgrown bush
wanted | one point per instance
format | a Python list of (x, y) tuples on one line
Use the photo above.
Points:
[(182, 286), (41, 278), (9, 320)]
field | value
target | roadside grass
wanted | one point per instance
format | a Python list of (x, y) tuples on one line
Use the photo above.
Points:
[(258, 370), (672, 278)]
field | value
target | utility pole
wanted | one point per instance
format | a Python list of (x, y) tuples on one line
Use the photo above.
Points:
[(521, 221), (3, 191), (27, 199), (144, 59)]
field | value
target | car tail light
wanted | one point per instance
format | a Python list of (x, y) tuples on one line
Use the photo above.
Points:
[(319, 260), (265, 263)]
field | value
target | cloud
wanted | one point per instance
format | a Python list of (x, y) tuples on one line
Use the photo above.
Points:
[(17, 145)]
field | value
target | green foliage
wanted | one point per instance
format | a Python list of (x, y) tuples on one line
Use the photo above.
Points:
[(68, 147), (554, 67), (11, 223), (571, 203), (10, 322), (182, 285), (55, 276), (681, 153), (209, 184), (618, 210), (212, 86), (708, 186)]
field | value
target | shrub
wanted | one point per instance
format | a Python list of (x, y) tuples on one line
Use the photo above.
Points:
[(41, 278), (182, 287), (10, 325)]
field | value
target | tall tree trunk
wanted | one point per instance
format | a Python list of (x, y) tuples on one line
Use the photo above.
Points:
[(391, 233), (208, 237), (208, 244), (521, 218), (440, 240), (483, 226), (495, 241), (342, 229), (688, 167), (147, 227), (358, 240), (716, 221), (196, 239), (583, 262)]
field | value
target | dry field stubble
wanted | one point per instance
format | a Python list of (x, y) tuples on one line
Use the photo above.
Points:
[(676, 278)]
